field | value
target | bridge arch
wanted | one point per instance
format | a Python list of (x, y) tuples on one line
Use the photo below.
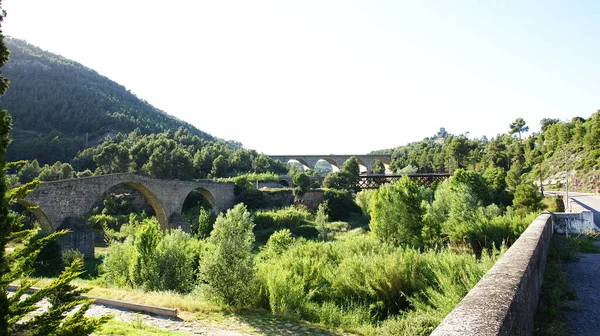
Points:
[(159, 209), (40, 216), (334, 164), (208, 196)]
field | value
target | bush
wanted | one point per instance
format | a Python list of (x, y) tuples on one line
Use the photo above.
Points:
[(205, 223), (228, 268), (69, 256), (363, 200), (321, 220), (153, 260), (144, 268), (117, 263), (289, 217), (396, 213), (302, 181), (340, 204), (177, 261), (358, 282)]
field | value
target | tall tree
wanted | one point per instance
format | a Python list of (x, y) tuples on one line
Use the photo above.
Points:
[(63, 296), (518, 127)]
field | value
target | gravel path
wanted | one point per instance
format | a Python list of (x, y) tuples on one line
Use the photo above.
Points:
[(584, 275), (228, 326)]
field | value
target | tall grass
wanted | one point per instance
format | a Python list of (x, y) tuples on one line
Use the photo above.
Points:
[(361, 284), (289, 217)]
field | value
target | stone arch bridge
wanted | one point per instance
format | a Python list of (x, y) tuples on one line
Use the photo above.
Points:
[(57, 201), (337, 161)]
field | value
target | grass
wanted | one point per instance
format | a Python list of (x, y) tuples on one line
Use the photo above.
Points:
[(136, 328)]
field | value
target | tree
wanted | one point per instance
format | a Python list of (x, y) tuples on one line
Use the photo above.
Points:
[(378, 167), (228, 267), (321, 220), (396, 213), (547, 122), (346, 178), (218, 167), (527, 199), (518, 127), (29, 171), (63, 297), (302, 181), (513, 177)]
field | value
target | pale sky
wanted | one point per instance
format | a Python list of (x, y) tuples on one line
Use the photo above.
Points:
[(333, 77)]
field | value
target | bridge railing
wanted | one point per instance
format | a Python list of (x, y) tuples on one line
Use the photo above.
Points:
[(374, 181)]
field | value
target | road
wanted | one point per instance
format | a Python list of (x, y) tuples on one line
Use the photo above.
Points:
[(587, 201)]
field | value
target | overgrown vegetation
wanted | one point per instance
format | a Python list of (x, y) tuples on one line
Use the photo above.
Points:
[(426, 249)]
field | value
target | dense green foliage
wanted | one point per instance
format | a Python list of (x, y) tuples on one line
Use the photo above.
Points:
[(227, 269), (153, 260), (359, 281), (289, 217), (169, 155), (346, 178), (560, 146), (396, 213)]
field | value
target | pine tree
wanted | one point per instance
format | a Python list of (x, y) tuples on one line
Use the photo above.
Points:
[(18, 264)]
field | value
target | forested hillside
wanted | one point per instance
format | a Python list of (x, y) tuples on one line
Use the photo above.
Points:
[(561, 146), (55, 101)]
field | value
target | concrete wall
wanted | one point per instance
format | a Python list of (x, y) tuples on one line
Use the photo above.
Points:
[(574, 222), (505, 300)]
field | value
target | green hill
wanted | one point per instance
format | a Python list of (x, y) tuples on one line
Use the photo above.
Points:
[(561, 148), (55, 102)]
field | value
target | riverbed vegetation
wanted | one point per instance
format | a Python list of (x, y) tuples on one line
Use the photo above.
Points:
[(392, 261)]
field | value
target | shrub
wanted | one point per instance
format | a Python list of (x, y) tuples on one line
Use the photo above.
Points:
[(363, 200), (302, 181), (118, 262), (280, 241), (144, 269), (359, 281), (396, 213), (289, 217), (321, 221), (177, 261), (228, 268), (241, 184), (69, 256), (205, 223), (340, 204)]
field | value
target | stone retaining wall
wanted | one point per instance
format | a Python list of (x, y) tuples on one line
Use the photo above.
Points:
[(506, 298)]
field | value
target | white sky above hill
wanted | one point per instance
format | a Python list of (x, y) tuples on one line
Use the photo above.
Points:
[(341, 77)]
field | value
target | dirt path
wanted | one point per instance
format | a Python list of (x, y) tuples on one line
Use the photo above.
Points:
[(228, 326)]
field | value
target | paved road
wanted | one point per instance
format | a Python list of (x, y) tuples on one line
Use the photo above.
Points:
[(587, 201), (583, 275)]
